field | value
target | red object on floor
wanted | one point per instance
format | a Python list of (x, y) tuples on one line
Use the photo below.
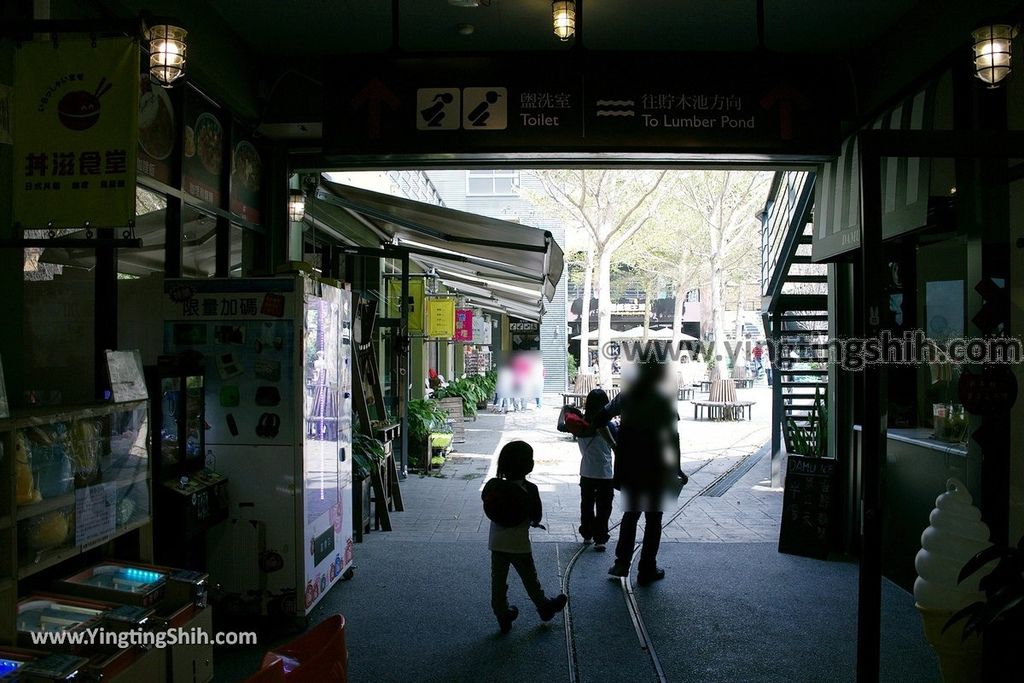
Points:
[(317, 655), (274, 673)]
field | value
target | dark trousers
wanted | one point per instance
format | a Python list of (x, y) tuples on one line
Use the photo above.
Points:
[(652, 533), (596, 497), (523, 562)]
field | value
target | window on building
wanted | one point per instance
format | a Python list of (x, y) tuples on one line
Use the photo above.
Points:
[(492, 183)]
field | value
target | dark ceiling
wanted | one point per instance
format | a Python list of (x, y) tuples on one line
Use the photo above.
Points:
[(341, 26), (284, 48)]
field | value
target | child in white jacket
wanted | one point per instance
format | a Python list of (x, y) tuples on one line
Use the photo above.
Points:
[(596, 490)]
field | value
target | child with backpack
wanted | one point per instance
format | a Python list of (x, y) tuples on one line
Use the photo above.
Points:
[(596, 486), (513, 506)]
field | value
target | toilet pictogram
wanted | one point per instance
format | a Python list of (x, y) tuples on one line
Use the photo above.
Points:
[(485, 108), (438, 109)]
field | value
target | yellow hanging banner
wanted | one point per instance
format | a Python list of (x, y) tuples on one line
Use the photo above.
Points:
[(76, 113), (441, 317), (415, 302)]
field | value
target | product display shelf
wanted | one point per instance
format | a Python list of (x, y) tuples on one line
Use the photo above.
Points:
[(71, 479)]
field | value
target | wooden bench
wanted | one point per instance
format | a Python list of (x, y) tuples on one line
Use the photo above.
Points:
[(705, 385), (579, 400), (722, 410), (685, 393), (744, 382)]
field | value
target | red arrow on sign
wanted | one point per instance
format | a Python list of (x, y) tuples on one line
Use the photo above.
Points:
[(784, 97), (371, 97)]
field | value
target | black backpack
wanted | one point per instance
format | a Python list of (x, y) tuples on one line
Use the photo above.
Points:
[(505, 503)]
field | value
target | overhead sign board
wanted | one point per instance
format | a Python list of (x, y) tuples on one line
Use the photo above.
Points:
[(76, 113), (602, 102)]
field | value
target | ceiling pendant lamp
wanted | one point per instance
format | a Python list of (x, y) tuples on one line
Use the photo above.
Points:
[(992, 45), (296, 205), (166, 53), (563, 16)]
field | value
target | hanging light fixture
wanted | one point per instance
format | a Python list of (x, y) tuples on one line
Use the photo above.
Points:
[(563, 15), (166, 53), (992, 45), (296, 206)]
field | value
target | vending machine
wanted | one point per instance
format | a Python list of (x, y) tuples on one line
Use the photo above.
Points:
[(278, 426)]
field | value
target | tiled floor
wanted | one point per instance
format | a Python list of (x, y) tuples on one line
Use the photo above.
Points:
[(446, 507)]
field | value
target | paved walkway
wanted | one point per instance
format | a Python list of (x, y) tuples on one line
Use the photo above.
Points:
[(446, 507)]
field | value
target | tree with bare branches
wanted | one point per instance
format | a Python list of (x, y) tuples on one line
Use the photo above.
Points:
[(726, 203), (611, 206)]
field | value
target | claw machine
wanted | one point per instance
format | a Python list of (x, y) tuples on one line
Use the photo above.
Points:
[(279, 427)]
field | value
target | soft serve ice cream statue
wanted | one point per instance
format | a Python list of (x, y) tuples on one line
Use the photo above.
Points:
[(955, 535)]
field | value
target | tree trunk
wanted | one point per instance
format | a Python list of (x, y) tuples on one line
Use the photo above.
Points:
[(677, 314), (588, 288), (717, 302), (604, 314), (647, 313), (739, 317)]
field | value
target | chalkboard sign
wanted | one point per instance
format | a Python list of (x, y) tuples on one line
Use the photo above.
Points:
[(807, 506)]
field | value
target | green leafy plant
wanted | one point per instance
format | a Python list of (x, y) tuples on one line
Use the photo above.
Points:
[(425, 416), (810, 439), (468, 390), (1003, 588), (573, 368), (367, 453)]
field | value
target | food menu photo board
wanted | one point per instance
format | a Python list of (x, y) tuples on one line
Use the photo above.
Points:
[(203, 148), (246, 176), (157, 126)]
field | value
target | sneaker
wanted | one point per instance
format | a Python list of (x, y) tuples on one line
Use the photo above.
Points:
[(552, 606), (646, 578), (619, 570), (587, 540), (505, 620), (599, 547)]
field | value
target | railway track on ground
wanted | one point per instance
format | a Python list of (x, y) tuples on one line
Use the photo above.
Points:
[(632, 608)]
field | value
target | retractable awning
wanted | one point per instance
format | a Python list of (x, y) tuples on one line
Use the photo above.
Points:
[(497, 264)]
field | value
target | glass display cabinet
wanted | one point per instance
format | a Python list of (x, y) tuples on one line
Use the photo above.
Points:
[(189, 495), (73, 480)]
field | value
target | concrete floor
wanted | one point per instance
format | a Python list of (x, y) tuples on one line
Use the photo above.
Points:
[(731, 608)]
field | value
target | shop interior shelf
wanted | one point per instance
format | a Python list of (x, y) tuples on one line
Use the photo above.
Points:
[(46, 505), (33, 416), (49, 558), (57, 502)]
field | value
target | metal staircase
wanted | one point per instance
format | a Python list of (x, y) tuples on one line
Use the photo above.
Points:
[(794, 307)]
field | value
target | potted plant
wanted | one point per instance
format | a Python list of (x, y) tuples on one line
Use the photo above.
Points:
[(809, 440), (367, 453), (465, 389), (1000, 616), (425, 417)]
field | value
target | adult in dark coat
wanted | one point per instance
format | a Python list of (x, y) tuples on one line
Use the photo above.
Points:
[(646, 460)]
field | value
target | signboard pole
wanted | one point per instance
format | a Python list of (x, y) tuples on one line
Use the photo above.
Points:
[(874, 416), (404, 364), (105, 320)]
